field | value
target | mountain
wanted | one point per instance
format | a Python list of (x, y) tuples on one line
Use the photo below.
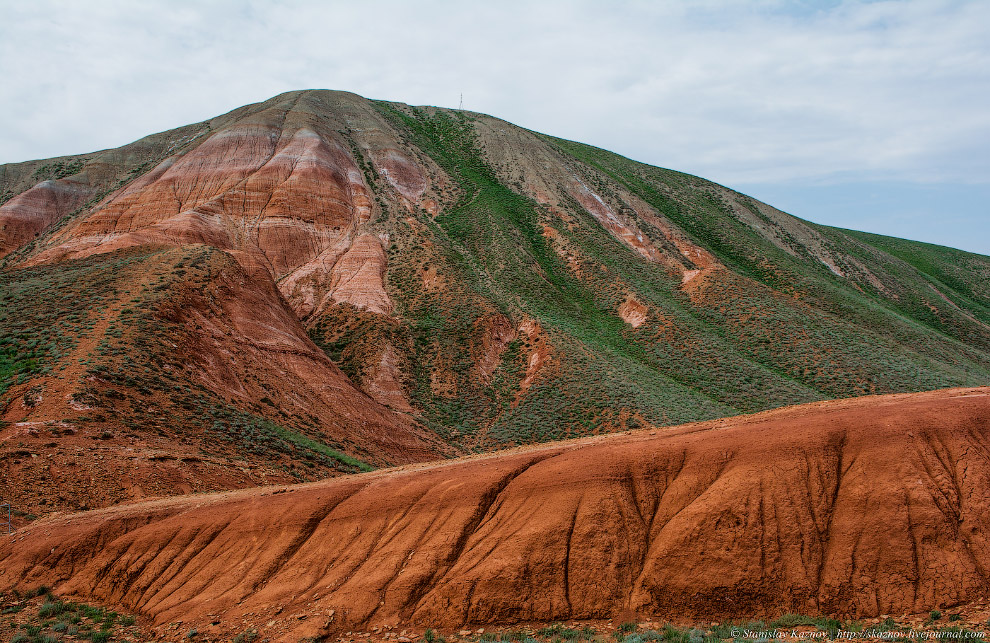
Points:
[(859, 508), (321, 283)]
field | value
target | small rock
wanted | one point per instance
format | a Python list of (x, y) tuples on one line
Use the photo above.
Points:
[(464, 633), (303, 617)]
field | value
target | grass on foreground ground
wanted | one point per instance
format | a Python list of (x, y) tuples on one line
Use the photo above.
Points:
[(787, 627), (38, 616)]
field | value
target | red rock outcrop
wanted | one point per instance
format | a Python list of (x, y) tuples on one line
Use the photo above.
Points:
[(28, 214), (633, 312), (402, 173), (859, 507), (288, 201), (244, 342)]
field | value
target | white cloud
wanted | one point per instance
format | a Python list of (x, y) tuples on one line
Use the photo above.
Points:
[(734, 91)]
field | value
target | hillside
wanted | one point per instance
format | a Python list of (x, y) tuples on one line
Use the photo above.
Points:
[(857, 508), (322, 283)]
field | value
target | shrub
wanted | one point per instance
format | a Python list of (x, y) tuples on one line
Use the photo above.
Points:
[(792, 620), (247, 636), (50, 608), (558, 630)]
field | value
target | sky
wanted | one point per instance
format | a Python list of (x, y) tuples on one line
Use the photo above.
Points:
[(872, 115)]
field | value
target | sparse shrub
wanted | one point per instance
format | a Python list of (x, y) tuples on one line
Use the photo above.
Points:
[(247, 636), (792, 620), (52, 608), (558, 630)]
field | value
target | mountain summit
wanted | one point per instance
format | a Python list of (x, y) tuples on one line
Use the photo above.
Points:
[(322, 283)]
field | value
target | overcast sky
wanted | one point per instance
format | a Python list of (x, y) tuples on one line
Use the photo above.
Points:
[(870, 115)]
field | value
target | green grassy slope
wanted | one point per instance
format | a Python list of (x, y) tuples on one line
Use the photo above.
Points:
[(778, 327)]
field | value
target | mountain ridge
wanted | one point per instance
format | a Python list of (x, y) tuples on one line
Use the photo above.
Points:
[(849, 508), (469, 284)]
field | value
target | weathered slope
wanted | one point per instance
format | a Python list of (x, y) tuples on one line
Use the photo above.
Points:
[(281, 187), (36, 195), (859, 507), (166, 370)]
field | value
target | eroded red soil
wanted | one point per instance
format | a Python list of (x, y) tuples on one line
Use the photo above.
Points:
[(863, 507)]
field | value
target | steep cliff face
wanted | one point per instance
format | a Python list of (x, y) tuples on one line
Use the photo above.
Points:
[(855, 508), (477, 285)]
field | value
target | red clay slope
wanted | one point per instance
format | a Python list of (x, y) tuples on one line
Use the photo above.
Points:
[(859, 507)]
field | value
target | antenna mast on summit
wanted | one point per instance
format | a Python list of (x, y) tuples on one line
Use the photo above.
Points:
[(462, 101)]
